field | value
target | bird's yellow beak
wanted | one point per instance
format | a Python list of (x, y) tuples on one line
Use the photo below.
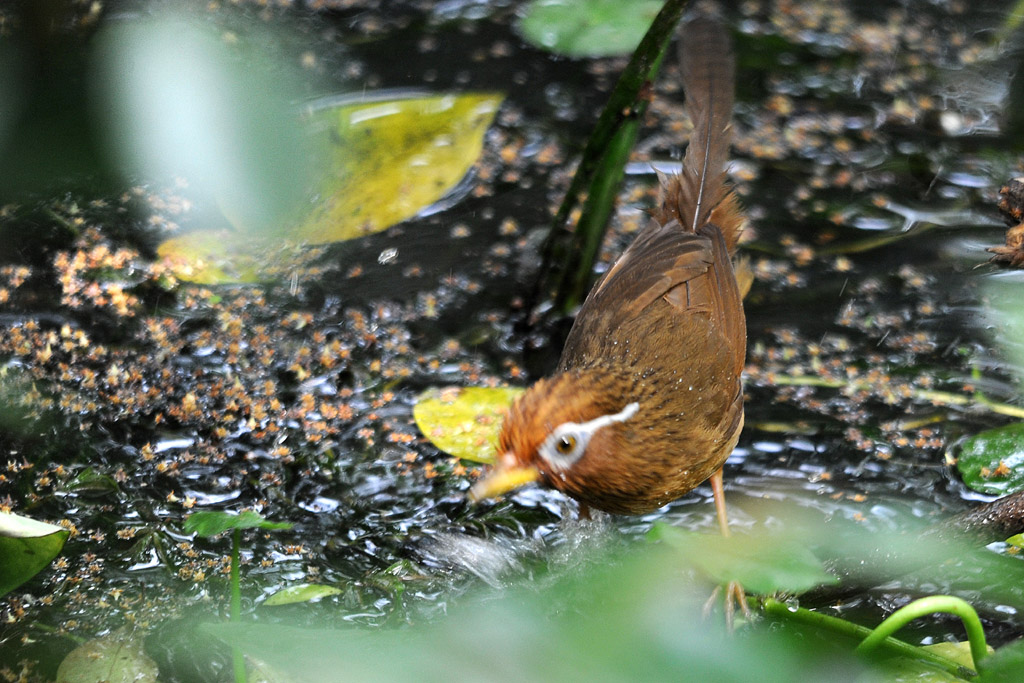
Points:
[(502, 479)]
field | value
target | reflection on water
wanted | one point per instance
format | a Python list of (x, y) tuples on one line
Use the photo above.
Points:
[(295, 398)]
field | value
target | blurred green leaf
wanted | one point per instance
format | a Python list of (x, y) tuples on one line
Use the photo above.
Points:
[(762, 564), (1005, 314), (588, 28), (179, 100), (1005, 666), (621, 619), (993, 461), (306, 592), (213, 522), (464, 421), (26, 546)]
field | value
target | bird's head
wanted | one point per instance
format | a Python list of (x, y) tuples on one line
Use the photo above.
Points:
[(563, 432)]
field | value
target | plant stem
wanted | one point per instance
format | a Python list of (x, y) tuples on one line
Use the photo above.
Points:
[(237, 659), (596, 210), (867, 244), (933, 604), (841, 626), (563, 257), (932, 395)]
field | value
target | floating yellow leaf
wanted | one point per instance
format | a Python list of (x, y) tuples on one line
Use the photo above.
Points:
[(389, 159), (381, 161), (464, 421)]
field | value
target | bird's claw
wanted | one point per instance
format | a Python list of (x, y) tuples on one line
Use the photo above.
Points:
[(733, 591)]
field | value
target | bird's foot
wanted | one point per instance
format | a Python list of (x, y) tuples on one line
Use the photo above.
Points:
[(734, 594)]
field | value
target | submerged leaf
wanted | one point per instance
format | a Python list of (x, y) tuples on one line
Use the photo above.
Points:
[(306, 592), (464, 421), (212, 522), (92, 483), (118, 657), (993, 461), (588, 28), (26, 546)]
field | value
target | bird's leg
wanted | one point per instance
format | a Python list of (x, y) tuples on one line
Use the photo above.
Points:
[(733, 590), (718, 491)]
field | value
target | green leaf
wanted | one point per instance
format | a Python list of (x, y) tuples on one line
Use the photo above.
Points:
[(116, 658), (306, 592), (588, 28), (993, 461), (26, 546), (464, 421), (212, 522), (1006, 665), (382, 161), (177, 99), (762, 564)]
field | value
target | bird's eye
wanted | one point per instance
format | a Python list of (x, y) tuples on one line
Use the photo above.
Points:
[(565, 445), (567, 442)]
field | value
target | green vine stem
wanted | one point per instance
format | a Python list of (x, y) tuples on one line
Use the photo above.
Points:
[(932, 395), (565, 252), (781, 610), (945, 604), (237, 658), (597, 208)]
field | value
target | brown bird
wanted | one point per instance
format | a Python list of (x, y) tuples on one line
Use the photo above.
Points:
[(647, 400)]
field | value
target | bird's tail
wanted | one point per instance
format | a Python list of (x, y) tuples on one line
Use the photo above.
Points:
[(701, 193)]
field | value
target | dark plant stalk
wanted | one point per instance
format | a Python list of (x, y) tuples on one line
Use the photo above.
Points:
[(593, 220), (568, 256)]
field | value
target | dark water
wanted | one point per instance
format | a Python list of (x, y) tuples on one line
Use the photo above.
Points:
[(851, 126)]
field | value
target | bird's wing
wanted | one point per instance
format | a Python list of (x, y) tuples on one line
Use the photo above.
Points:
[(664, 262)]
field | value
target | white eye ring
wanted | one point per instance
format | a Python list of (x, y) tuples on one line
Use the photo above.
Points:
[(567, 442)]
